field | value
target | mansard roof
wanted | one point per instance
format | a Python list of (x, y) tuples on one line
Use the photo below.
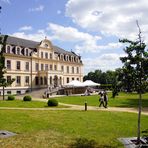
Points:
[(33, 44)]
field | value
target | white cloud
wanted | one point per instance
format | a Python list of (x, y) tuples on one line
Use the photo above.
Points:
[(39, 8), (104, 62), (24, 28), (38, 36), (111, 17), (85, 42), (59, 12)]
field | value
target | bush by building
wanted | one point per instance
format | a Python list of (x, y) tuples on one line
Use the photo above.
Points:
[(27, 98), (52, 102)]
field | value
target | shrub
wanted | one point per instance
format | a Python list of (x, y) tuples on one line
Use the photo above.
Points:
[(52, 102), (10, 97), (27, 98)]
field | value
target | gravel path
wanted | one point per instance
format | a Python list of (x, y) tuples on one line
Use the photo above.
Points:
[(80, 107)]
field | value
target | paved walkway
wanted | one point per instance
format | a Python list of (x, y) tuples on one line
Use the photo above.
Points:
[(80, 107)]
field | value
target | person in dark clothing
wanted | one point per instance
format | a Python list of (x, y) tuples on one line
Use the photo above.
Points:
[(105, 99), (101, 99)]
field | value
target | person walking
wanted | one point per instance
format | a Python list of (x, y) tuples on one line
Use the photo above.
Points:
[(105, 99), (101, 99)]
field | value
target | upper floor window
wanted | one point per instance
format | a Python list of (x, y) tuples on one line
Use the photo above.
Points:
[(55, 67), (50, 55), (41, 54), (73, 70), (62, 68), (42, 66), (46, 66), (18, 65), (8, 49), (46, 55), (77, 69), (36, 66), (67, 69), (50, 66), (8, 64), (27, 66)]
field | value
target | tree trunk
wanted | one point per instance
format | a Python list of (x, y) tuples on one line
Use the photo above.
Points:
[(3, 93)]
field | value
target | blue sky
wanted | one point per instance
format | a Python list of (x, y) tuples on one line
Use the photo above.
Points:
[(90, 28)]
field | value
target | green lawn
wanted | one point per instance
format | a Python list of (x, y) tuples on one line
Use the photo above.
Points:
[(122, 100), (58, 129), (25, 104)]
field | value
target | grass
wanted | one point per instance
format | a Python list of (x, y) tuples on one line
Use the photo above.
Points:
[(122, 100), (58, 129), (25, 104)]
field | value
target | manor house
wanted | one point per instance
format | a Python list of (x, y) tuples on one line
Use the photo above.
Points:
[(36, 65)]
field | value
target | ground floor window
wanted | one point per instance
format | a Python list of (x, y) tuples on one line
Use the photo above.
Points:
[(9, 92), (36, 81), (18, 92), (18, 80), (27, 80), (67, 80), (45, 80)]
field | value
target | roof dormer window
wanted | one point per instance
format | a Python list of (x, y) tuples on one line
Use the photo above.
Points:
[(27, 52), (18, 51), (8, 49)]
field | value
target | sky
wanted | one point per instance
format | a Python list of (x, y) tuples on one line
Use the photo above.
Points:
[(90, 28)]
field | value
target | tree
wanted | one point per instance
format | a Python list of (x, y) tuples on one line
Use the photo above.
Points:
[(136, 69), (3, 82)]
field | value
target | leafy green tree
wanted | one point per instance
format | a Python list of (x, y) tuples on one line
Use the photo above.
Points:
[(3, 82), (136, 69)]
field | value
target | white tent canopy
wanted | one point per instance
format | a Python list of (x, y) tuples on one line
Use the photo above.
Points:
[(90, 83), (76, 83)]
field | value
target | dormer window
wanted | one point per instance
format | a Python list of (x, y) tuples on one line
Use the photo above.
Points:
[(18, 51), (72, 59), (62, 57), (8, 49), (67, 58), (27, 52)]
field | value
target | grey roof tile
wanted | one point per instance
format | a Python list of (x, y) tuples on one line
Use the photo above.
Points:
[(33, 44)]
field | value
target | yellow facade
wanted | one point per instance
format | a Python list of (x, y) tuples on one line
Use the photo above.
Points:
[(39, 65)]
